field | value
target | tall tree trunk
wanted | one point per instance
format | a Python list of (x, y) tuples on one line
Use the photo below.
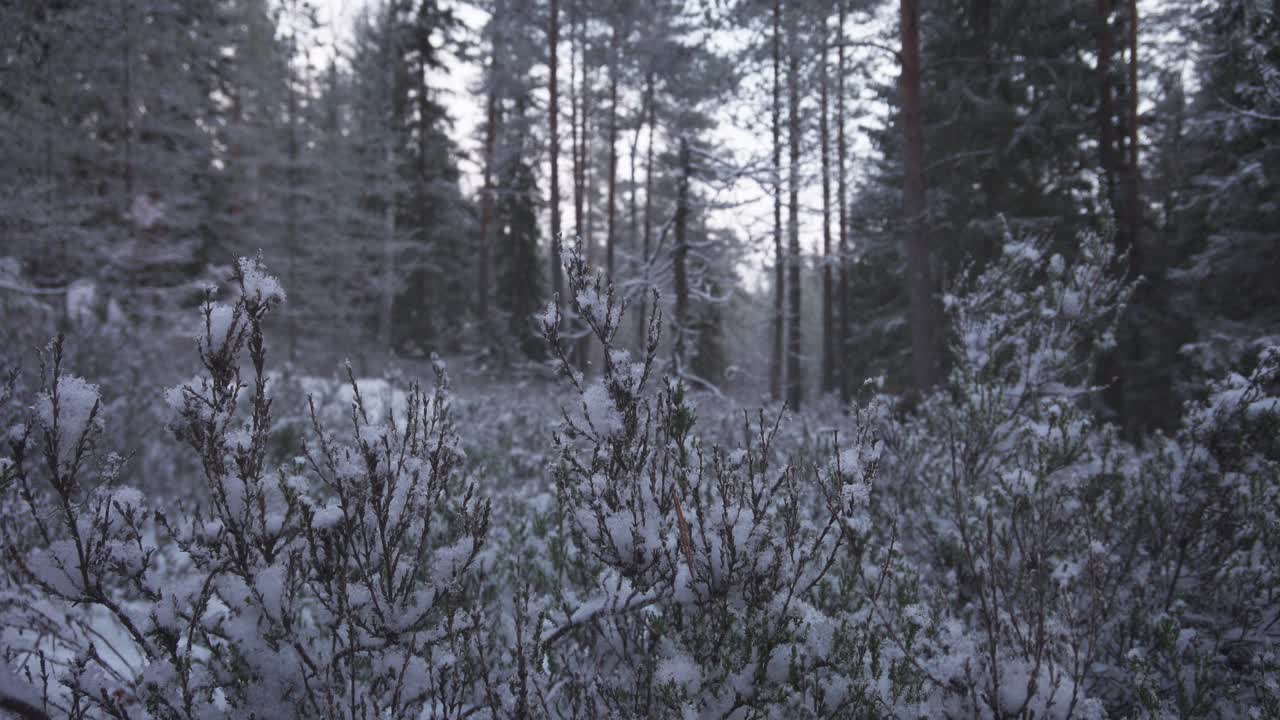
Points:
[(795, 381), (291, 206), (679, 259), (924, 326), (1109, 366), (126, 122), (487, 199), (779, 261), (612, 223), (584, 142), (1129, 405), (435, 296), (576, 61), (388, 286), (842, 151), (584, 156), (1106, 111), (553, 113), (126, 106), (584, 152), (824, 132), (634, 200), (575, 109), (1133, 200), (388, 250), (652, 110)]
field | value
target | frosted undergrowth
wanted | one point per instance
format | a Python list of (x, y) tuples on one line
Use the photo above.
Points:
[(997, 552)]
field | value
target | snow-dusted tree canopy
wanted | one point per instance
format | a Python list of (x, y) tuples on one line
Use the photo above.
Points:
[(572, 359)]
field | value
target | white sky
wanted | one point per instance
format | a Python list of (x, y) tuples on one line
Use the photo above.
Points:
[(752, 208), (751, 216)]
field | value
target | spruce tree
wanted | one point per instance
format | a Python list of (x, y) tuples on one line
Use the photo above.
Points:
[(520, 293)]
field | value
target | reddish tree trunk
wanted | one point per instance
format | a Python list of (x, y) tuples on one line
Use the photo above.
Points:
[(824, 132), (795, 385), (924, 325), (679, 258), (487, 192), (578, 103), (634, 201), (576, 115), (842, 151), (779, 260), (648, 203), (1133, 200), (612, 222), (553, 112)]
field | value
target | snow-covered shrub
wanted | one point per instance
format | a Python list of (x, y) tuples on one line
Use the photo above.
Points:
[(330, 586), (1200, 635), (996, 552), (1050, 570), (1004, 490), (700, 581), (70, 532)]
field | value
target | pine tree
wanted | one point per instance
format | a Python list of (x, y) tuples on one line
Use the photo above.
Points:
[(376, 132), (430, 315)]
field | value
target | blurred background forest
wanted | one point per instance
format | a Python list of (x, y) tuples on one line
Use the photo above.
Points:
[(800, 181)]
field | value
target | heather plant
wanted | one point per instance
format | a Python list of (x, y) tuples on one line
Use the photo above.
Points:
[(328, 586), (1000, 481), (700, 581), (1198, 637), (1051, 570), (995, 551)]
